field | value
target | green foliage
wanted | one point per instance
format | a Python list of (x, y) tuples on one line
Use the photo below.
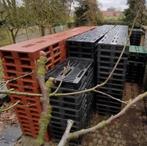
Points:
[(88, 13), (44, 121), (45, 13), (45, 117), (49, 83), (41, 66), (11, 17), (131, 12), (1, 110), (1, 71)]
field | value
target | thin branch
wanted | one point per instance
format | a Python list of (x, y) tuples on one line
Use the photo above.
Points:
[(65, 70), (19, 93), (25, 75), (63, 140), (14, 79), (110, 96), (10, 107)]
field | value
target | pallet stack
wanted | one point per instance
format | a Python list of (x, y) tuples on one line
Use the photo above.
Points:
[(136, 64), (85, 45), (135, 38), (19, 59), (109, 49), (78, 76)]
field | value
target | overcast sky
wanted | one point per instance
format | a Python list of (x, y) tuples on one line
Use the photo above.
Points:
[(118, 4)]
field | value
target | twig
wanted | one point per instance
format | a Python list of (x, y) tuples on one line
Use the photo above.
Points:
[(65, 70), (19, 93), (10, 107), (63, 140), (110, 96), (14, 79)]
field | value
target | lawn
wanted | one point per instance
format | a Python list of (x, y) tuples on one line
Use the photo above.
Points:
[(4, 37)]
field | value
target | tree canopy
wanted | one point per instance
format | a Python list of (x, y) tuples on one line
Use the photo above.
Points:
[(88, 13), (131, 12)]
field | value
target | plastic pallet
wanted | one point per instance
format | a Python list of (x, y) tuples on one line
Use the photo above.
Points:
[(91, 36), (70, 112), (79, 69), (108, 107)]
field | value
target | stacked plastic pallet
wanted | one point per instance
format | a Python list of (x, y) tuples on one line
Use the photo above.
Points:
[(136, 64), (78, 76), (135, 38), (84, 45), (19, 59), (109, 49)]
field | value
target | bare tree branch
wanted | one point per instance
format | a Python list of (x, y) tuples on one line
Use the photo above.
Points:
[(14, 79), (10, 107), (45, 100), (110, 96), (8, 92), (65, 135), (65, 70), (108, 121)]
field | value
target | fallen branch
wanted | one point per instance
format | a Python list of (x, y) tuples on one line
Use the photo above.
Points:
[(63, 140), (108, 121), (45, 100)]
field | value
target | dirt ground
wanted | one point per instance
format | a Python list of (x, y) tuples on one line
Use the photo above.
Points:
[(129, 130)]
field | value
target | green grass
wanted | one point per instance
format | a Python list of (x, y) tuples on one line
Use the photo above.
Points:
[(4, 37)]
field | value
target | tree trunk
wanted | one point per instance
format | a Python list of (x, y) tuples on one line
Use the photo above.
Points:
[(13, 36), (42, 29), (50, 29), (26, 29)]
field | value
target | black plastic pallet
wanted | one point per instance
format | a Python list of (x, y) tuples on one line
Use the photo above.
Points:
[(72, 100), (107, 107), (112, 90), (61, 112), (64, 101), (78, 71), (107, 101), (107, 64), (62, 123), (91, 36), (105, 112), (114, 49), (82, 55), (109, 69)]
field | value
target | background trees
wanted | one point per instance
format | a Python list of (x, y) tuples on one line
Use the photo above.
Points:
[(88, 12), (130, 13), (12, 17), (46, 14)]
